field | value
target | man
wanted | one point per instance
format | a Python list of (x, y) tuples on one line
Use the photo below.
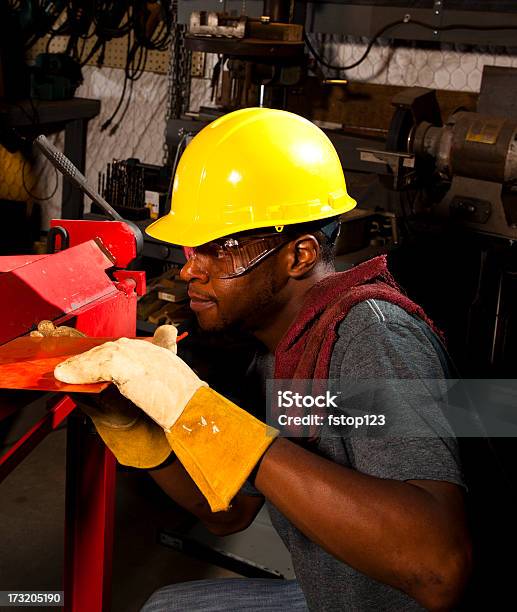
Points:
[(372, 522)]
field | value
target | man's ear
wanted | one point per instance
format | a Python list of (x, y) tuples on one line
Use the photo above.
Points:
[(304, 254)]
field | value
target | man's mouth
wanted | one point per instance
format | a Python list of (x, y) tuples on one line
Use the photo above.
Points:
[(200, 302)]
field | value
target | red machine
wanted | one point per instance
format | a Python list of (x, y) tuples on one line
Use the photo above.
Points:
[(83, 285)]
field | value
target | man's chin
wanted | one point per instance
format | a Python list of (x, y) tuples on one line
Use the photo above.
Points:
[(211, 323), (208, 322)]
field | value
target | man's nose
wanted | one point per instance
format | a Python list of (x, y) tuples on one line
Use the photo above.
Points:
[(192, 270)]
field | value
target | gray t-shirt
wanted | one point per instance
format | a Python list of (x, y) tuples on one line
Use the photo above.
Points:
[(376, 340)]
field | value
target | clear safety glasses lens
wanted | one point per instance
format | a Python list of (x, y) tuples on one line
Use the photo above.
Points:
[(233, 257)]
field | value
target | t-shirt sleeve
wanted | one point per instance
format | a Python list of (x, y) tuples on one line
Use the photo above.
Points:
[(391, 368)]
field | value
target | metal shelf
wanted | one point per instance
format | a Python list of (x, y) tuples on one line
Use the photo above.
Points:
[(246, 47)]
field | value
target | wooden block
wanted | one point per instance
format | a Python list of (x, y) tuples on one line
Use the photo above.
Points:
[(169, 295), (170, 314), (172, 290), (288, 32), (148, 304)]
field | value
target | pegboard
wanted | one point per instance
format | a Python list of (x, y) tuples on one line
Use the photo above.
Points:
[(114, 56)]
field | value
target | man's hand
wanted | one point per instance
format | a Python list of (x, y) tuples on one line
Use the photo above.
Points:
[(133, 438), (109, 408), (152, 377), (131, 435), (218, 443)]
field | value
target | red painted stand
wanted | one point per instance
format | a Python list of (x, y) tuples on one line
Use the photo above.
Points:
[(80, 287)]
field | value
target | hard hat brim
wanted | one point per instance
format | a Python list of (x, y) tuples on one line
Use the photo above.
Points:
[(168, 229)]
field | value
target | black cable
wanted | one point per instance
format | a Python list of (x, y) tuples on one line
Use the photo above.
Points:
[(108, 22), (404, 21), (34, 197), (124, 112), (374, 39), (43, 15), (179, 150), (53, 32), (132, 74), (109, 19), (108, 121), (131, 51), (159, 39), (134, 69), (98, 44), (462, 26)]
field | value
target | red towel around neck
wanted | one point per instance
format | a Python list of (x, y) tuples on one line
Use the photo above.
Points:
[(305, 350)]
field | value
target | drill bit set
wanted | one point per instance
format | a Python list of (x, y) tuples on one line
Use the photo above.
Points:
[(123, 186)]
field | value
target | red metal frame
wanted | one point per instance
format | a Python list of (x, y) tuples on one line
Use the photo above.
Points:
[(26, 444), (73, 287), (115, 236), (89, 519)]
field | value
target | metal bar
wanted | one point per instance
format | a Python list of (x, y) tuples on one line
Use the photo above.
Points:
[(89, 519), (262, 88), (72, 206), (357, 20), (360, 20), (497, 319), (28, 442), (73, 174), (24, 113), (90, 480), (438, 10), (197, 550)]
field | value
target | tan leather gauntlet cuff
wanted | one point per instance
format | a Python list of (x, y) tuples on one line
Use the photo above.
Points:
[(218, 444)]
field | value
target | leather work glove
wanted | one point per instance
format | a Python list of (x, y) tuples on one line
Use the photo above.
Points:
[(217, 442), (129, 433), (133, 437)]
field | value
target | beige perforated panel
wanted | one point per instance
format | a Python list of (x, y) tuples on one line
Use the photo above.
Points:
[(115, 53)]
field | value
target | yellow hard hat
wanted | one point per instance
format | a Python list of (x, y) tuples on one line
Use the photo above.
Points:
[(250, 169)]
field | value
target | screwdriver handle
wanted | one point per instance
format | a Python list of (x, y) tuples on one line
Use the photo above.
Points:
[(67, 168)]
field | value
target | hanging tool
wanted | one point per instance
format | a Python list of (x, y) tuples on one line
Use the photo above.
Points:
[(67, 169)]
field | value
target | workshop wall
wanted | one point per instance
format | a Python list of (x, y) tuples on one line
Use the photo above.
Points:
[(449, 67), (140, 134)]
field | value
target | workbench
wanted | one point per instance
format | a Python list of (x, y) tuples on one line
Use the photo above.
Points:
[(86, 286)]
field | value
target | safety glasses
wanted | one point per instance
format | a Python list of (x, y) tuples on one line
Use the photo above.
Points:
[(231, 257)]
